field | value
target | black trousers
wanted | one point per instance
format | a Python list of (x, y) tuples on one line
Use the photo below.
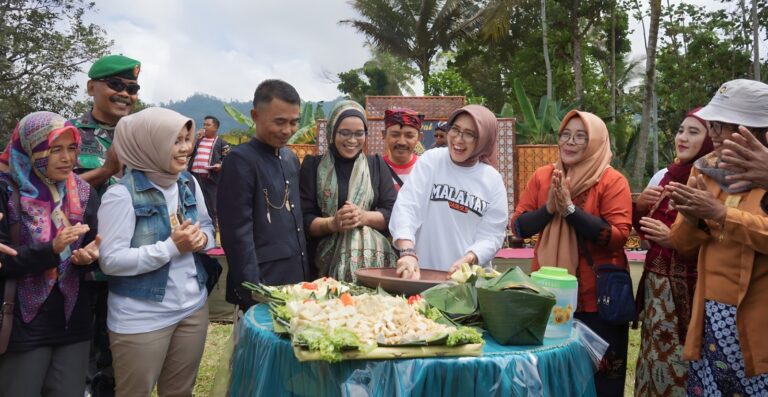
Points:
[(209, 194), (609, 380)]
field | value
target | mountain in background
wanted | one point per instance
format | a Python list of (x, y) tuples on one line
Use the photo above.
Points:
[(200, 105)]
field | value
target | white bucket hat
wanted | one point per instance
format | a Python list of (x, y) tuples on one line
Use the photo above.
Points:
[(742, 102)]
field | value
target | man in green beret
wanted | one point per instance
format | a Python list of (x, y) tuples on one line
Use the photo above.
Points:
[(114, 88)]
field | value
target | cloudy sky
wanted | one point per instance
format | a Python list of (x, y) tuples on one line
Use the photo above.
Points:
[(226, 48)]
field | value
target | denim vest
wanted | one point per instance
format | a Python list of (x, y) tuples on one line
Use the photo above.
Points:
[(152, 225)]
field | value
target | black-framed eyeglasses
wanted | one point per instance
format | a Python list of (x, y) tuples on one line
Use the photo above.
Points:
[(718, 128), (346, 134), (468, 135), (578, 139), (118, 85)]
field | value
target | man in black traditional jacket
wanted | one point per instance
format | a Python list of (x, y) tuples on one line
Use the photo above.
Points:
[(259, 219)]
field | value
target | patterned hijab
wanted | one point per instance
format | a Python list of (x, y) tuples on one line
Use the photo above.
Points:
[(46, 207), (340, 254), (559, 246), (144, 142), (487, 130)]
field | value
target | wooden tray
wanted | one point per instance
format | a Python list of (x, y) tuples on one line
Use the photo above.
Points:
[(387, 279)]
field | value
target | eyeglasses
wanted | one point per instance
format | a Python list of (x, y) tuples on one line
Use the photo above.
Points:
[(468, 135), (578, 139), (118, 85), (718, 127), (346, 134)]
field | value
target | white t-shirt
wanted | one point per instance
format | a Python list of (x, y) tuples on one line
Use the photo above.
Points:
[(657, 177), (183, 296), (448, 210)]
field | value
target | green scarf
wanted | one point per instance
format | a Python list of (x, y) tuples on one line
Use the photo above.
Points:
[(340, 254)]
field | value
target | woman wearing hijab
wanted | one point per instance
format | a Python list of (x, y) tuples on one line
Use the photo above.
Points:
[(453, 209), (666, 288), (153, 223), (55, 220), (726, 223), (582, 198), (346, 198)]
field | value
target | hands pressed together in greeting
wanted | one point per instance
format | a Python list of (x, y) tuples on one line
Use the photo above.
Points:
[(347, 218), (189, 237), (559, 196)]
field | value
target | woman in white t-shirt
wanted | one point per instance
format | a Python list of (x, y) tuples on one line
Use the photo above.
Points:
[(153, 223), (453, 209)]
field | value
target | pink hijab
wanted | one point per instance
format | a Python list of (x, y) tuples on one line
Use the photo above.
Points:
[(487, 130)]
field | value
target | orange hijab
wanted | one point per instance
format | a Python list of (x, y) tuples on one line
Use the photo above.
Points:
[(558, 246)]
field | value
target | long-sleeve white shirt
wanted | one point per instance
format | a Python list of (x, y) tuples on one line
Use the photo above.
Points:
[(183, 296), (448, 210)]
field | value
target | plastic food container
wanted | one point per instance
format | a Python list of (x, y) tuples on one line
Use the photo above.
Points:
[(565, 287)]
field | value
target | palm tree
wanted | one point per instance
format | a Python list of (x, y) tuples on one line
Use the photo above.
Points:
[(414, 30)]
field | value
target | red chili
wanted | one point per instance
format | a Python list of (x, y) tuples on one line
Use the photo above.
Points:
[(413, 299)]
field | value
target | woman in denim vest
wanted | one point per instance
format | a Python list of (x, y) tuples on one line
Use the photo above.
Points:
[(154, 221)]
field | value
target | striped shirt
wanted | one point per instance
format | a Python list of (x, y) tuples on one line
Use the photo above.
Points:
[(203, 157)]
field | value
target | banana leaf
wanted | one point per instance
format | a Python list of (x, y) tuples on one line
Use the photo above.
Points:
[(452, 298), (515, 309)]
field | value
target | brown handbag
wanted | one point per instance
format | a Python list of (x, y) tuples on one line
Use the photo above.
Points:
[(9, 295)]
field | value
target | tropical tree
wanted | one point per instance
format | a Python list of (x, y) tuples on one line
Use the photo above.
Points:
[(638, 168), (414, 30), (382, 75), (43, 44)]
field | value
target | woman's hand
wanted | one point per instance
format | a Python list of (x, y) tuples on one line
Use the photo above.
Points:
[(87, 254), (656, 231), (68, 235), (563, 194), (408, 267), (186, 237), (348, 217), (554, 184), (649, 197), (697, 202), (469, 257)]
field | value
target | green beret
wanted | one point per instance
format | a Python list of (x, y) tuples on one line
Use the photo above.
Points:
[(115, 65)]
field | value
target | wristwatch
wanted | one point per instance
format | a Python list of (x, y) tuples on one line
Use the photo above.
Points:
[(570, 209)]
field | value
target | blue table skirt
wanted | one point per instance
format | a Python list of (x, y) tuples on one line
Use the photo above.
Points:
[(263, 364)]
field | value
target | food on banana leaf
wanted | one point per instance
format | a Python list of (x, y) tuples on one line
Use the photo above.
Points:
[(329, 343), (466, 272), (373, 318), (322, 288)]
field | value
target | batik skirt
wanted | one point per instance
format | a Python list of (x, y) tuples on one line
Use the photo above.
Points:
[(720, 372)]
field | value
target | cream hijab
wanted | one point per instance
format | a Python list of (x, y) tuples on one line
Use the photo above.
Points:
[(144, 141), (558, 246)]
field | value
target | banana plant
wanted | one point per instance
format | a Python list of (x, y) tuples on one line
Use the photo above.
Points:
[(307, 127), (536, 127), (238, 116)]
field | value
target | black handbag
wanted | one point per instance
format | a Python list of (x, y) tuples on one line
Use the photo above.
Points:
[(615, 299)]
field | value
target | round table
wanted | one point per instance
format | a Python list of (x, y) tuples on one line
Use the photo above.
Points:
[(263, 364)]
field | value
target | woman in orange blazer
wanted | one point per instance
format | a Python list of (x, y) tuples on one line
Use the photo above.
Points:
[(582, 197)]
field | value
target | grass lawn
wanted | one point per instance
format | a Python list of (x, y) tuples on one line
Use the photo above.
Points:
[(218, 335)]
